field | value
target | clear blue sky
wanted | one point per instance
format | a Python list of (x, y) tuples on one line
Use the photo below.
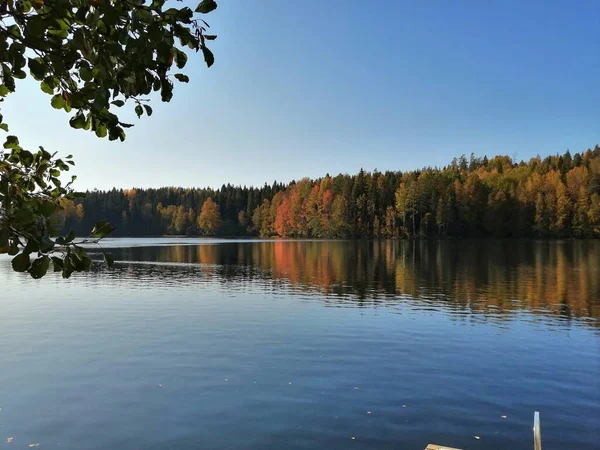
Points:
[(302, 88)]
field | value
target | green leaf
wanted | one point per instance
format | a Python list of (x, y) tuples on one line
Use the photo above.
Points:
[(86, 74), (46, 88), (206, 6), (47, 208), (118, 103), (166, 92), (4, 91), (63, 240), (20, 263), (210, 37), (52, 81), (36, 26), (80, 259), (139, 110), (101, 131), (148, 110), (101, 229), (68, 267), (31, 247), (76, 100), (11, 142), (39, 267), (77, 121), (37, 67), (180, 58), (57, 263), (46, 244), (14, 247), (4, 235), (181, 77), (108, 259), (24, 5), (26, 158), (58, 102), (208, 56), (4, 126)]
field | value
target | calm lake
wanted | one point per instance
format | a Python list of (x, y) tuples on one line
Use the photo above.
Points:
[(211, 344)]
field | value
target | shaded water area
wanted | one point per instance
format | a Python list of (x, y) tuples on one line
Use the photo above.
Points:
[(215, 344)]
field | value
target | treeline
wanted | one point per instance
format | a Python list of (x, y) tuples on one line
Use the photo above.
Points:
[(558, 196)]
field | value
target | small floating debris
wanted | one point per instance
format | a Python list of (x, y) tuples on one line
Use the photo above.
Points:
[(355, 388), (160, 385), (37, 444), (404, 406), (503, 417), (9, 440), (477, 437), (353, 438), (289, 382), (368, 412), (226, 379)]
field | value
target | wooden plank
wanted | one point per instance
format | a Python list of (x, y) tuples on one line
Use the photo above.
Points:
[(439, 447), (537, 432)]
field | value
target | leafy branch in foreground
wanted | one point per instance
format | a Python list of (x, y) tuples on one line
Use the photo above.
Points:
[(90, 56), (30, 194)]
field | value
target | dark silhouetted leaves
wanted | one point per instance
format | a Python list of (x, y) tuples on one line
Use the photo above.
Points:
[(20, 263), (101, 230), (208, 56), (57, 263), (108, 259), (206, 6), (11, 142), (66, 239), (46, 244), (39, 267), (78, 120)]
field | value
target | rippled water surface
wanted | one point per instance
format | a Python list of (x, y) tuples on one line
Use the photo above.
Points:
[(208, 344)]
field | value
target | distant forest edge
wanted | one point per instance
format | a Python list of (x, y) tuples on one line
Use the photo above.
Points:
[(558, 196)]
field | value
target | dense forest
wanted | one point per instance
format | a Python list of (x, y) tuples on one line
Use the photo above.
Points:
[(558, 196)]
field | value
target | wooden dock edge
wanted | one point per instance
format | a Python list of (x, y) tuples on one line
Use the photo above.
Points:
[(439, 447)]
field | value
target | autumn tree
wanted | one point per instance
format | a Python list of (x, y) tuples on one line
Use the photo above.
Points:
[(209, 219), (501, 199), (91, 57), (283, 218)]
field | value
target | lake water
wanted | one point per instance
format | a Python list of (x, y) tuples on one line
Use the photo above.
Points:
[(208, 344)]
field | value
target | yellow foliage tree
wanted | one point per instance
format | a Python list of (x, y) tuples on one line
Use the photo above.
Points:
[(209, 219)]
